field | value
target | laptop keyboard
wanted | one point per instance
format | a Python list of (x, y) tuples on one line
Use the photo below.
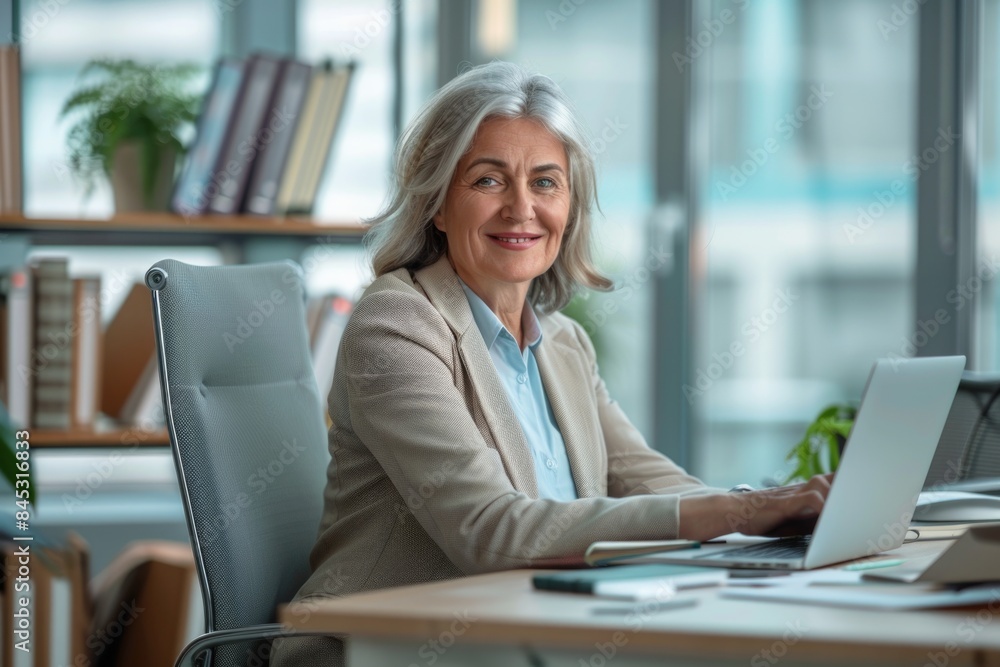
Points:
[(790, 548)]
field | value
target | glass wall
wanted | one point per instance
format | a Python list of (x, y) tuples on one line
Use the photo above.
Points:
[(57, 39), (806, 244), (988, 204), (363, 31), (139, 498), (356, 180), (804, 251), (602, 55)]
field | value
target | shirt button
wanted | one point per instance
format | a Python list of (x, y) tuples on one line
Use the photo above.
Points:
[(522, 378), (550, 464)]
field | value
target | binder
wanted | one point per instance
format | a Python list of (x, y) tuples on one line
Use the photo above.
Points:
[(286, 108), (195, 187), (244, 135)]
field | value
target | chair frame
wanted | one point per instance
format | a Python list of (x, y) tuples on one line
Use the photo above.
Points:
[(156, 279)]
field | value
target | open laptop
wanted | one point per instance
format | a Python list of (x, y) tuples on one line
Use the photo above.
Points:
[(888, 454)]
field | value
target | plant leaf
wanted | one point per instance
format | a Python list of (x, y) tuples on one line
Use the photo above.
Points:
[(121, 100), (8, 459)]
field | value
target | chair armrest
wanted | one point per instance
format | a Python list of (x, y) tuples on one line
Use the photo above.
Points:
[(210, 640)]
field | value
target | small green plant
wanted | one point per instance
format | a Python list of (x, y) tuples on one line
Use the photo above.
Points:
[(120, 101), (819, 450), (9, 463), (576, 309)]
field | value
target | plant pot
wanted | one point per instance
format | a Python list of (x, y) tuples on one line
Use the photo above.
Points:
[(127, 177)]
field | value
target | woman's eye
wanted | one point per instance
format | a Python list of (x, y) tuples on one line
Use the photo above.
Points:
[(486, 181), (546, 182)]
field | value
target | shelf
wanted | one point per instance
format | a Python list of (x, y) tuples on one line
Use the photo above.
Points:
[(122, 437), (171, 229)]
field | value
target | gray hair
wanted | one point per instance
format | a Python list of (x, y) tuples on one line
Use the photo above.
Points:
[(403, 234)]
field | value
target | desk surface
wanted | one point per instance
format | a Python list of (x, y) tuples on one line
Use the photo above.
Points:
[(502, 609)]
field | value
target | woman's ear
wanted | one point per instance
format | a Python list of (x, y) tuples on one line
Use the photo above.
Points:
[(439, 221)]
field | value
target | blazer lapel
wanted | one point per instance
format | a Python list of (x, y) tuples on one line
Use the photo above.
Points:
[(567, 383), (443, 290)]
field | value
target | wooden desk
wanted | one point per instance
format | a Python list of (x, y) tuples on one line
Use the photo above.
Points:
[(499, 620)]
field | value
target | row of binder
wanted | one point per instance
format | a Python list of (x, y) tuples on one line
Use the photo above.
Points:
[(263, 138)]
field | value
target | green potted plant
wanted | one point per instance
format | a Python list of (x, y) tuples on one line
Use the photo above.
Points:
[(8, 456), (820, 448), (577, 309), (128, 122)]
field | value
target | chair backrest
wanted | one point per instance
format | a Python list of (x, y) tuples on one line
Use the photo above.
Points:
[(969, 448), (246, 429)]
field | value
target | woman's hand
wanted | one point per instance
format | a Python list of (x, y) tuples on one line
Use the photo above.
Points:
[(777, 512)]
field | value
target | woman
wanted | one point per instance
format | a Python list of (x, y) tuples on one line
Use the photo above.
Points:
[(472, 431)]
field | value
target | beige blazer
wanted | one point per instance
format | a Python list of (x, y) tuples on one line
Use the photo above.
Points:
[(431, 477)]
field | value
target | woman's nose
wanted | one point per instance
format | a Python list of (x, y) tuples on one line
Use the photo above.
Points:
[(519, 205)]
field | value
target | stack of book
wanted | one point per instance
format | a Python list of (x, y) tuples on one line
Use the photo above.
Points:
[(50, 340), (10, 129), (60, 369), (327, 317), (141, 610), (263, 139), (130, 393), (46, 613), (53, 360)]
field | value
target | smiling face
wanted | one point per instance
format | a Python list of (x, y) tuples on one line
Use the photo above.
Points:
[(507, 207)]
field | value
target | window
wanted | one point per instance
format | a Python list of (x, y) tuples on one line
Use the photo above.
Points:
[(57, 39), (988, 204), (806, 244), (602, 55), (357, 176)]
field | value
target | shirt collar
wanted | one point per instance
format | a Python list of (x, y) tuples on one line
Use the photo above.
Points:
[(490, 325)]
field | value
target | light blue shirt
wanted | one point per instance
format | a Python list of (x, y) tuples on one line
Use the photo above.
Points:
[(519, 374)]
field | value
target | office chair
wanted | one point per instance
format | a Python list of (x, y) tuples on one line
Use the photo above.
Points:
[(248, 439), (968, 454)]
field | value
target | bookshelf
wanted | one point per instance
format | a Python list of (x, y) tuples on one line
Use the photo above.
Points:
[(282, 174), (149, 229), (116, 437), (170, 229)]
